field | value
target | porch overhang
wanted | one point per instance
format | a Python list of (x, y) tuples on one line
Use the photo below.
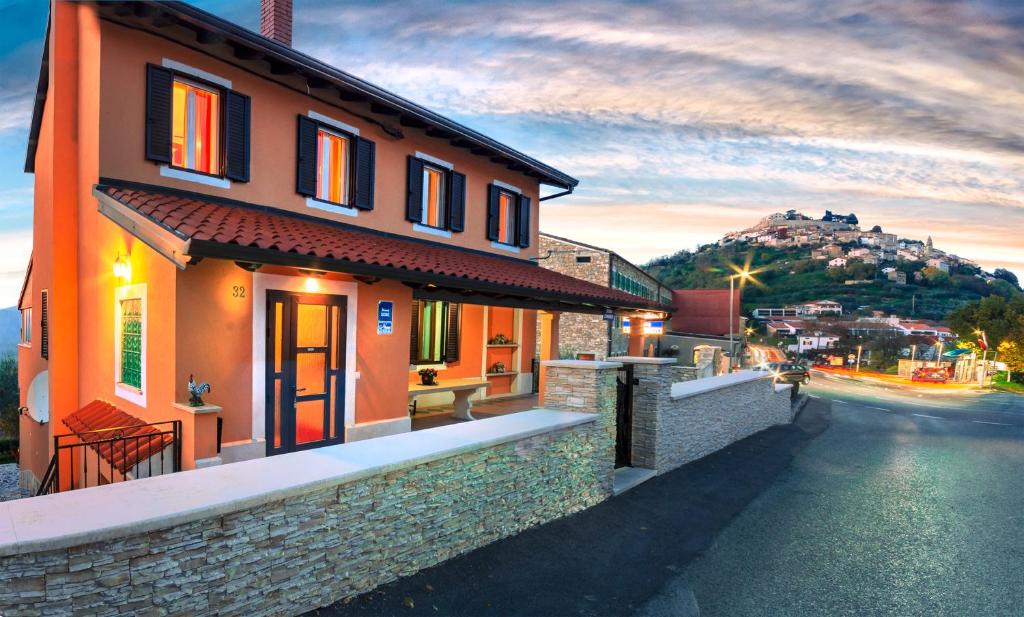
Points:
[(185, 227)]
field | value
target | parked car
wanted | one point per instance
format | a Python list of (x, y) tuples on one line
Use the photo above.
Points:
[(930, 374), (786, 372)]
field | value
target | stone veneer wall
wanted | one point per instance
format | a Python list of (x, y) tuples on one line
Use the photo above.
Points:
[(578, 332), (670, 431), (308, 550)]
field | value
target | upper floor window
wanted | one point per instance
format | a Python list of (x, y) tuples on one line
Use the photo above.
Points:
[(436, 195), (435, 203), (195, 128), (26, 325), (332, 167), (508, 216)]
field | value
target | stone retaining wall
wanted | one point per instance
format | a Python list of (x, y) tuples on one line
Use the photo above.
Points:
[(675, 423), (333, 540)]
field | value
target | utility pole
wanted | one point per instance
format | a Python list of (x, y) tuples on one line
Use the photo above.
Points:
[(860, 348)]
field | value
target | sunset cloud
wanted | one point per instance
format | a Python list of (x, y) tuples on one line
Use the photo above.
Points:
[(688, 119)]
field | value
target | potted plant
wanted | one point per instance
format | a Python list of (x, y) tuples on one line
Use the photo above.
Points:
[(428, 376), (500, 339)]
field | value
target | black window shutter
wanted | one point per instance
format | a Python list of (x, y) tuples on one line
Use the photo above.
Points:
[(523, 233), (493, 215), (457, 205), (159, 83), (364, 166), (237, 117), (451, 342), (44, 326), (414, 199), (305, 175), (414, 335)]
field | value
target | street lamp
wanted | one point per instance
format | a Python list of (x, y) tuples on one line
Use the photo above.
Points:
[(743, 274)]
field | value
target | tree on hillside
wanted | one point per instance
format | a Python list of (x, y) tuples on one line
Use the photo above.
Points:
[(1006, 275), (936, 277)]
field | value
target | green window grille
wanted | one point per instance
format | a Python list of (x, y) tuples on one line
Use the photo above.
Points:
[(131, 342)]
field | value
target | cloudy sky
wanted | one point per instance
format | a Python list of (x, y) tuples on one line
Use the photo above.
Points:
[(683, 120)]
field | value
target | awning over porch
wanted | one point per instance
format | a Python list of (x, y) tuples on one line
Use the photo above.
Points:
[(184, 226)]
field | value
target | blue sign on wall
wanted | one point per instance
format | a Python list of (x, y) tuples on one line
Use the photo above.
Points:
[(385, 316)]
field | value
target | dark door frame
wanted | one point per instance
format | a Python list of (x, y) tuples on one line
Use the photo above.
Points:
[(289, 396)]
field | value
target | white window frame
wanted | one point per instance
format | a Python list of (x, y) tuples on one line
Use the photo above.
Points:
[(443, 205), (124, 391), (346, 171), (441, 232), (177, 173), (26, 327)]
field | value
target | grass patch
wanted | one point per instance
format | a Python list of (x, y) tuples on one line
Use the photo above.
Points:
[(999, 383)]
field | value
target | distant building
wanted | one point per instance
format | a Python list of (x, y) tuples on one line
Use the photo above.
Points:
[(815, 342), (897, 276), (938, 264), (821, 308), (849, 219), (812, 310), (704, 311), (838, 262), (785, 327), (580, 333)]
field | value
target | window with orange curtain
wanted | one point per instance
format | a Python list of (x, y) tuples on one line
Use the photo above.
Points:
[(435, 212), (506, 218), (332, 167), (195, 128)]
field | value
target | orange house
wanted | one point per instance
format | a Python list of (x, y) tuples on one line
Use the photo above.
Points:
[(211, 202)]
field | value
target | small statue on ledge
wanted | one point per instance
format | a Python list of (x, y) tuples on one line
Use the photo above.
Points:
[(196, 392)]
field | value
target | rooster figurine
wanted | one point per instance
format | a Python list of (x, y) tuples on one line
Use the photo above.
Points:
[(196, 391)]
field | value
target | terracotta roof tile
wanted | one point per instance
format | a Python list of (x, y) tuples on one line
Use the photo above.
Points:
[(249, 225), (93, 423)]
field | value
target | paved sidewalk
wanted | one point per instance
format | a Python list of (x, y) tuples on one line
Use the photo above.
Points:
[(608, 560)]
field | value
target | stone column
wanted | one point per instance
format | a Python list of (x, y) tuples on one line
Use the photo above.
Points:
[(548, 323), (587, 386), (651, 394), (636, 336)]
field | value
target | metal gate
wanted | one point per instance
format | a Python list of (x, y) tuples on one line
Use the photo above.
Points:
[(624, 417)]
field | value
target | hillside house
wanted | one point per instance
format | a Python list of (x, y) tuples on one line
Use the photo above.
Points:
[(211, 202)]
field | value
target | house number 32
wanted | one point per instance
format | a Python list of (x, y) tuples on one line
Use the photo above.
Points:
[(237, 291)]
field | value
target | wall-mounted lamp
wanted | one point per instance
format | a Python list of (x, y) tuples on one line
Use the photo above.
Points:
[(123, 268)]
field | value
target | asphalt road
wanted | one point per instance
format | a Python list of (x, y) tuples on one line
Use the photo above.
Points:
[(910, 503)]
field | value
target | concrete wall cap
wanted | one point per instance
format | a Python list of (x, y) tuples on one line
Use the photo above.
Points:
[(202, 409), (782, 387), (581, 364), (131, 508), (644, 360), (686, 389)]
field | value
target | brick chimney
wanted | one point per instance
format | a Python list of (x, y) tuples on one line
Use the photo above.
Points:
[(276, 20)]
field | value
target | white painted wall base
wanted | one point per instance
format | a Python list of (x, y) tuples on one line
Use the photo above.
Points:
[(380, 428), (244, 450)]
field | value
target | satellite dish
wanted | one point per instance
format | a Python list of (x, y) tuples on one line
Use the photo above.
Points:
[(38, 398)]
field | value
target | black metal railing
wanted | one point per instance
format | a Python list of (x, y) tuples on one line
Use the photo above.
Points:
[(105, 456)]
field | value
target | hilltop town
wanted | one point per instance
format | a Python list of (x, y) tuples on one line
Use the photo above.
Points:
[(838, 239), (801, 259)]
